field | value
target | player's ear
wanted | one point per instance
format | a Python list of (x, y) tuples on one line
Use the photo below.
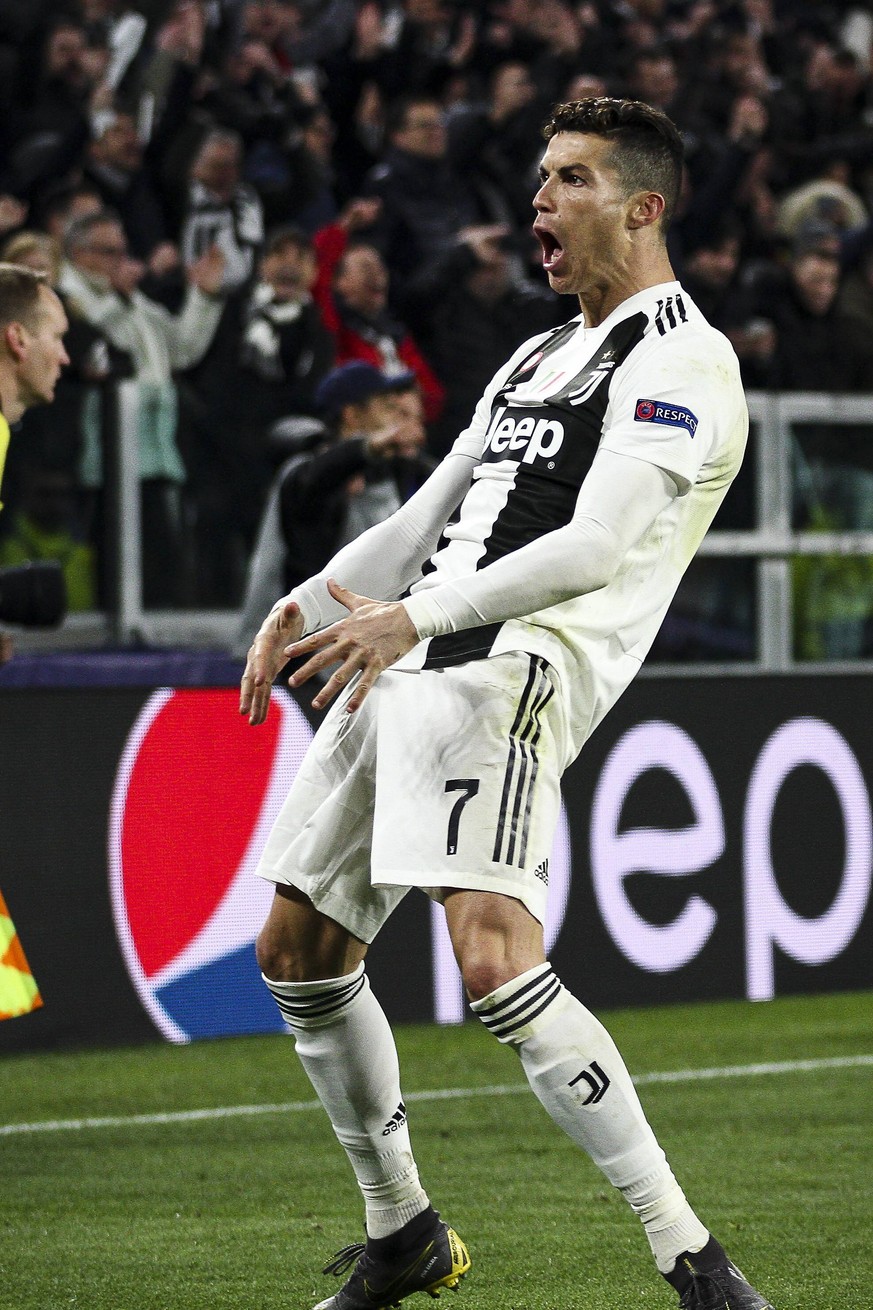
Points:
[(644, 209), (15, 340)]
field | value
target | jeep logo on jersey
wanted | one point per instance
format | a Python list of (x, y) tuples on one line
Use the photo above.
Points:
[(526, 437), (672, 416)]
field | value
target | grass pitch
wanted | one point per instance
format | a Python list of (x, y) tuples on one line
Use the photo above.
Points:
[(238, 1211)]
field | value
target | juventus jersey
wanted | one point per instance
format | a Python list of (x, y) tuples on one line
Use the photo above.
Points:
[(655, 382)]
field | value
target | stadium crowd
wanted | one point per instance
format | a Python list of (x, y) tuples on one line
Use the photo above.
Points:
[(234, 197)]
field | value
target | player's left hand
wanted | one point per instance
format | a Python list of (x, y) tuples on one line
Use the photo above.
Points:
[(372, 638)]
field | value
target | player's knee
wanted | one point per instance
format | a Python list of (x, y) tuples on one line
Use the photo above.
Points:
[(299, 944), (278, 958), (483, 973), (490, 960)]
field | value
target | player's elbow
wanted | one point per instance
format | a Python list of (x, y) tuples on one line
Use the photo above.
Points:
[(599, 554)]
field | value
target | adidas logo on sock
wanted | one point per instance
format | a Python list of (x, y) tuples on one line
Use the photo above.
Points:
[(397, 1120)]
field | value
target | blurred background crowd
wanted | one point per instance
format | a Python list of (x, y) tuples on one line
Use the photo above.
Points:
[(239, 199)]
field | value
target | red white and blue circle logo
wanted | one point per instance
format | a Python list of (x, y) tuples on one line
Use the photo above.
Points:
[(196, 794), (645, 410)]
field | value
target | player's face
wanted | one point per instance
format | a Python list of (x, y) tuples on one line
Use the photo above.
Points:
[(582, 214), (44, 354)]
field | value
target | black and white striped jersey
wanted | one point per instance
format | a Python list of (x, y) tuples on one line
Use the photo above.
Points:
[(655, 382)]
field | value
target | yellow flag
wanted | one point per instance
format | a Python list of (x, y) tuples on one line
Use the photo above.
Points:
[(19, 993)]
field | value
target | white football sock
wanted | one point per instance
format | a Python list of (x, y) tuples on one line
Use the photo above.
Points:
[(347, 1049), (575, 1070)]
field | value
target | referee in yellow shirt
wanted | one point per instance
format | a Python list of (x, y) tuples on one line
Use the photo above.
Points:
[(32, 354)]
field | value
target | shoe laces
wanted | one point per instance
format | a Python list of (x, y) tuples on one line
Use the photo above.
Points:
[(344, 1259), (703, 1293)]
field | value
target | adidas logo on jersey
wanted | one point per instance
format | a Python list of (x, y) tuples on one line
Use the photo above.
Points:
[(542, 872), (526, 439)]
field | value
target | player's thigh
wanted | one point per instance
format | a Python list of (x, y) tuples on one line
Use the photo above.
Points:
[(320, 841), (468, 779)]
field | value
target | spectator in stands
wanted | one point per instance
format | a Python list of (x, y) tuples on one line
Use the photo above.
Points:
[(710, 273), (855, 300), (373, 454), (53, 434), (51, 119), (273, 24), (426, 202), (827, 119), (269, 355), (369, 460), (654, 78), (325, 93), (814, 350), (352, 292), (117, 172), (501, 136), (252, 94), (718, 181), (101, 285), (223, 211), (414, 50), (823, 200), (66, 202), (482, 314)]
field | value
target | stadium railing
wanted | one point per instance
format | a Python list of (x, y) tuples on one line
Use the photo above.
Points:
[(733, 614)]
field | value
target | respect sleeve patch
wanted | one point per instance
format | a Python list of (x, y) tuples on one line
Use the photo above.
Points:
[(672, 416)]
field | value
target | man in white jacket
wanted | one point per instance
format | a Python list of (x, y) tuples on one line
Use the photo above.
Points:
[(100, 283)]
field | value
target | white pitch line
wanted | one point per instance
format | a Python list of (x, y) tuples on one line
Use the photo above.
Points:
[(443, 1094)]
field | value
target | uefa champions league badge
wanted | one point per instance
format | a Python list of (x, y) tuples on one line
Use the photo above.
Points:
[(672, 416), (195, 796)]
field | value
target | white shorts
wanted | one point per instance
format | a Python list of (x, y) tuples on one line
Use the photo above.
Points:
[(444, 778)]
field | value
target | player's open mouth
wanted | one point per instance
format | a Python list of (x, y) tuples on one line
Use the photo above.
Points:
[(552, 248)]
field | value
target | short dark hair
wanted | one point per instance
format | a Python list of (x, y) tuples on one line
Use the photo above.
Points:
[(280, 238), (20, 294), (400, 108), (648, 150)]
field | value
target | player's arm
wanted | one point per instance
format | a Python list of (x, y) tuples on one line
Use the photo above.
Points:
[(387, 558), (620, 499), (379, 565), (618, 502), (382, 562)]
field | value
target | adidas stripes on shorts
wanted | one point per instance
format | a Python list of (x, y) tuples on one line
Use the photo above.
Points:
[(444, 778)]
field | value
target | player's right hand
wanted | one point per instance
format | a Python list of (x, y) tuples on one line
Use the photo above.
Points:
[(267, 658)]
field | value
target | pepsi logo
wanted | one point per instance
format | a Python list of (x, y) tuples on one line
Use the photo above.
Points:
[(645, 410), (195, 796)]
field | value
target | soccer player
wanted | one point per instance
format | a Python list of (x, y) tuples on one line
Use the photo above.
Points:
[(480, 636)]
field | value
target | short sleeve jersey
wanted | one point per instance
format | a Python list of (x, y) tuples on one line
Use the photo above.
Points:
[(654, 382)]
